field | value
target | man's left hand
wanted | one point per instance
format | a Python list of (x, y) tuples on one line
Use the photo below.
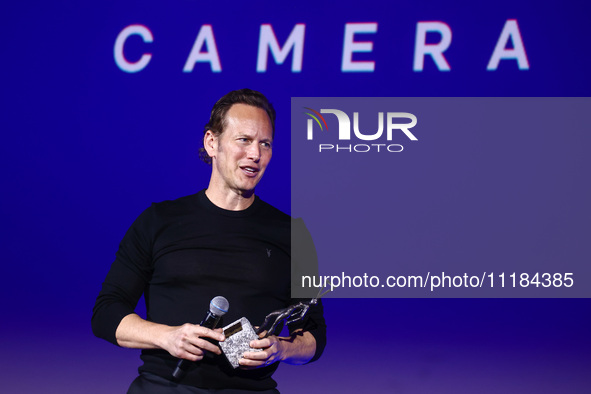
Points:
[(273, 349)]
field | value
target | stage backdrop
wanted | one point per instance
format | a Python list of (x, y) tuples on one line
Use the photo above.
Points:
[(103, 107)]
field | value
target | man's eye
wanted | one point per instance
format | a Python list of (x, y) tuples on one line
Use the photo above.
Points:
[(266, 144)]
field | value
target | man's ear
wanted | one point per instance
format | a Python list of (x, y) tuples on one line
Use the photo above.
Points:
[(210, 143)]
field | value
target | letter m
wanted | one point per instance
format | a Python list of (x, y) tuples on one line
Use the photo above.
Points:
[(295, 42)]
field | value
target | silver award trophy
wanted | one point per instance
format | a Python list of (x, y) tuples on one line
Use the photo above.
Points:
[(240, 333)]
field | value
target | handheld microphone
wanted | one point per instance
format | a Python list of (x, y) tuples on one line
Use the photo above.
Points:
[(218, 306)]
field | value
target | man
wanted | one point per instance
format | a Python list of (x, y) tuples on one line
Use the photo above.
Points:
[(222, 241)]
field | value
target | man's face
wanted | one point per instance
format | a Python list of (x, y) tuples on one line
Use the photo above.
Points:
[(241, 153)]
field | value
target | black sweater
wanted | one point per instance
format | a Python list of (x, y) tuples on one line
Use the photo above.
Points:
[(180, 254)]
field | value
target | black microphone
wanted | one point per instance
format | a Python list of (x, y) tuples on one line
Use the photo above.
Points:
[(218, 306)]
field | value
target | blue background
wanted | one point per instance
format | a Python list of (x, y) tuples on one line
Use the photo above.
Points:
[(86, 147)]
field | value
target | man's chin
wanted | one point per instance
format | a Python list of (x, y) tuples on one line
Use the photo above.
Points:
[(249, 186)]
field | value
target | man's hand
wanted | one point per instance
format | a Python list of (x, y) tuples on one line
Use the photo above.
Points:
[(299, 348), (273, 349), (189, 341)]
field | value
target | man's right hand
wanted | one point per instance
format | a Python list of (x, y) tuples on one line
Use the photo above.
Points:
[(188, 341)]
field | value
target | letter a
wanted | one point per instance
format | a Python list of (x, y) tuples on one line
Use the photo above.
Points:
[(510, 31), (205, 36)]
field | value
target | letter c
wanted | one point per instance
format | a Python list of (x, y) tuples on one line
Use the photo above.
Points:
[(120, 60)]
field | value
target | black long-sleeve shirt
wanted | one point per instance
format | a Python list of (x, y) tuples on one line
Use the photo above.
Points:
[(180, 254)]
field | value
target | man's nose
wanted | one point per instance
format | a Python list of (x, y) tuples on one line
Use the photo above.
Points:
[(254, 152)]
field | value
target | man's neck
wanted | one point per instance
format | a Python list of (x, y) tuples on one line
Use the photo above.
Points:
[(230, 200)]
